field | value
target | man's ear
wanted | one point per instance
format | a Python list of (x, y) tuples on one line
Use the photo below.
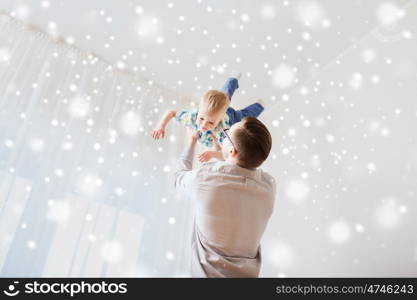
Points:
[(232, 152)]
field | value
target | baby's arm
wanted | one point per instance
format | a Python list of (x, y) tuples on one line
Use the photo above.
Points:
[(159, 131)]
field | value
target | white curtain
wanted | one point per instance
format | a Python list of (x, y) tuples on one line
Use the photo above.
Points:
[(84, 191)]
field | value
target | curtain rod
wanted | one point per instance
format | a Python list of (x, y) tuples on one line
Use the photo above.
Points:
[(60, 40)]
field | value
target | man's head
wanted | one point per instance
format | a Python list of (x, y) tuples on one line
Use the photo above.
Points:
[(211, 110), (249, 145)]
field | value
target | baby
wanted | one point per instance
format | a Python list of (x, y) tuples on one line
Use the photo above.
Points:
[(213, 117)]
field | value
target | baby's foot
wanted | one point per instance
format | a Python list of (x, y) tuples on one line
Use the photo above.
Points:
[(236, 74), (261, 102)]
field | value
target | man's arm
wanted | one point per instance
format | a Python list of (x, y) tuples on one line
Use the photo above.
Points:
[(184, 175)]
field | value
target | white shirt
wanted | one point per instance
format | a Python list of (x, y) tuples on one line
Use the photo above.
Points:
[(234, 205)]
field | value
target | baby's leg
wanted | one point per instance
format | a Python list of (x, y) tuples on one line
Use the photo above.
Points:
[(230, 86), (253, 110)]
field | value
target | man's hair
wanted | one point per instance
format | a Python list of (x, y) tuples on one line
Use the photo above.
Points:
[(215, 101), (253, 142)]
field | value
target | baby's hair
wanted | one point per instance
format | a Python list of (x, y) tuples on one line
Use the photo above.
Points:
[(215, 101)]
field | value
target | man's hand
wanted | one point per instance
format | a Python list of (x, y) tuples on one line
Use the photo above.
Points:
[(193, 135), (207, 155), (216, 142), (158, 133)]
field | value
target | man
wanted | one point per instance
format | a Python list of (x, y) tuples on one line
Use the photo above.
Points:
[(234, 201)]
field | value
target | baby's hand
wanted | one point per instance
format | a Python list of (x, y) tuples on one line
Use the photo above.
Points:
[(206, 156), (158, 133)]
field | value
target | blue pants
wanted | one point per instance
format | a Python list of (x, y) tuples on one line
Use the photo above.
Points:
[(230, 86), (253, 110)]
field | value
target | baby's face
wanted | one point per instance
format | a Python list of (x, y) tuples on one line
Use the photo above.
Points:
[(208, 121)]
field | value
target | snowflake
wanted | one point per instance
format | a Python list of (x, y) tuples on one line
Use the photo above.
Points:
[(339, 232), (297, 190), (112, 252), (283, 77)]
